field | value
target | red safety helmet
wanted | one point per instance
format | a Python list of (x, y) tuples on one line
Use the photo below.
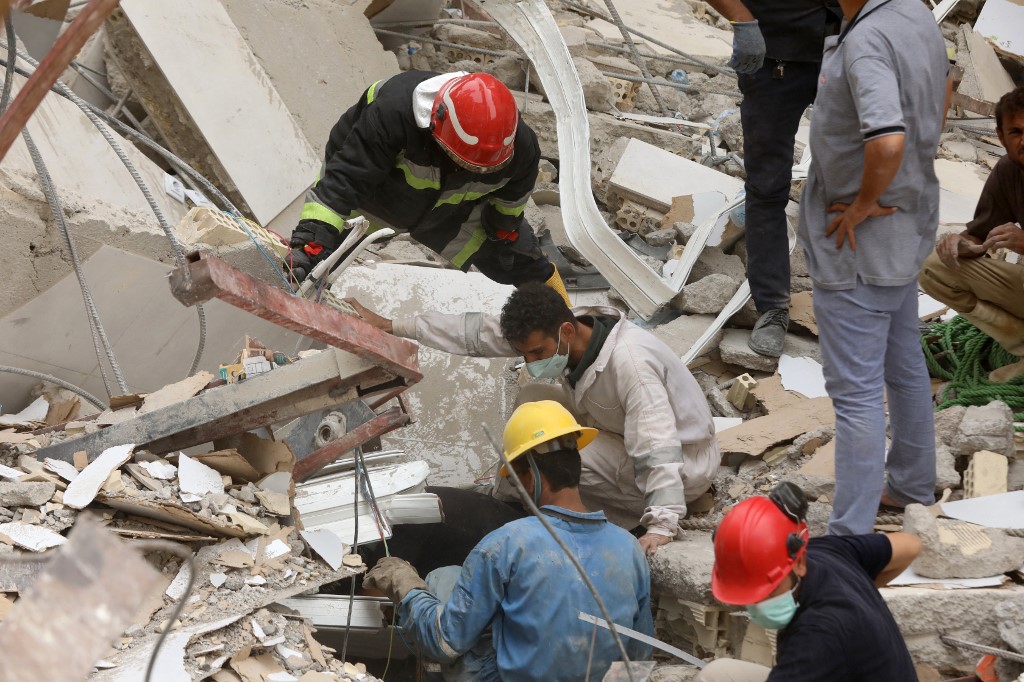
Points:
[(756, 546), (474, 119)]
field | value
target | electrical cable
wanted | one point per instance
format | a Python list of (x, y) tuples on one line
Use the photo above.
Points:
[(90, 398), (186, 556), (154, 207), (531, 505)]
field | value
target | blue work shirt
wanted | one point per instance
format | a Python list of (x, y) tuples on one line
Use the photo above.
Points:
[(519, 583)]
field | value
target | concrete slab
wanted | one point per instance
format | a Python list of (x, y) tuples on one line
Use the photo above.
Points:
[(456, 394), (316, 91), (154, 337), (654, 177), (216, 86)]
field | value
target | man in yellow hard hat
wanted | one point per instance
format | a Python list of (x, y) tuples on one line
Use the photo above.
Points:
[(657, 450), (493, 617)]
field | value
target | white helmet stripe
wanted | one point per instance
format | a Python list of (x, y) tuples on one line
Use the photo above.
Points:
[(463, 135)]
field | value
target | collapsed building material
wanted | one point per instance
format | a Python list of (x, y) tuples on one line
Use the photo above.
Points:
[(756, 436), (986, 474), (1002, 23), (984, 78), (955, 549), (85, 597), (204, 89)]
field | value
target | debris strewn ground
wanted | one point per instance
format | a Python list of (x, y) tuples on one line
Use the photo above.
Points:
[(658, 174)]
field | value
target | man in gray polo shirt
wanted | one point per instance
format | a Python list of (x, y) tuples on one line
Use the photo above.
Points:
[(868, 219)]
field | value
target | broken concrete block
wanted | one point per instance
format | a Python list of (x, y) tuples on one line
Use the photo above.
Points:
[(1010, 616), (714, 260), (684, 231), (720, 403), (986, 474), (947, 423), (708, 295), (597, 90), (682, 570), (635, 217), (987, 427), (956, 549), (1015, 477), (735, 351), (25, 494), (681, 333), (575, 39), (946, 475), (814, 487), (662, 237)]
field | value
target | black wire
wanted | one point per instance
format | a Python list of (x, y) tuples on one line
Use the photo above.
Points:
[(186, 555), (355, 543)]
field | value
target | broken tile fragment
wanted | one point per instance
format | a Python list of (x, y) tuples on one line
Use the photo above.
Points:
[(197, 480), (83, 489), (30, 537)]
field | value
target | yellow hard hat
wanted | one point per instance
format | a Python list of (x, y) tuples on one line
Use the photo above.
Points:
[(535, 423)]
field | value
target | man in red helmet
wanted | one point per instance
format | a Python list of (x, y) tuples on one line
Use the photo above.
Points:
[(820, 594), (444, 157)]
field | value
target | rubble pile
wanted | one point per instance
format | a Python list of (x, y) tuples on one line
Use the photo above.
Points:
[(236, 517)]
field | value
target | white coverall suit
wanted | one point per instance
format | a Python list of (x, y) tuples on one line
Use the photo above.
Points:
[(656, 451)]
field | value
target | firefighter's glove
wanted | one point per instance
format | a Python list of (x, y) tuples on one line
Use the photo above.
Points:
[(312, 241), (394, 577), (747, 47)]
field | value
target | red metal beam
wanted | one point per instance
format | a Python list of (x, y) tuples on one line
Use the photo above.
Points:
[(386, 422), (213, 278), (49, 70)]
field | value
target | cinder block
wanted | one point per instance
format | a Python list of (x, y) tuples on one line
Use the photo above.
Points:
[(986, 474)]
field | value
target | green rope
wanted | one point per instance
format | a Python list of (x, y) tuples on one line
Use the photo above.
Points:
[(960, 353)]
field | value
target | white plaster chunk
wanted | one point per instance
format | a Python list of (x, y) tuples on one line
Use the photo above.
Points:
[(30, 537), (197, 479), (160, 469), (65, 470), (82, 491), (327, 545)]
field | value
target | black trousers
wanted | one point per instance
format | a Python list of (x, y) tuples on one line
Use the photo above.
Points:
[(770, 115)]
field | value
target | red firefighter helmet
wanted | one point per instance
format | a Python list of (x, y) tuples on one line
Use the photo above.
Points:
[(756, 545), (474, 119)]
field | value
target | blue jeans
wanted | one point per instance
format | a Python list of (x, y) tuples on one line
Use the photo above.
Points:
[(480, 662), (770, 115), (869, 342)]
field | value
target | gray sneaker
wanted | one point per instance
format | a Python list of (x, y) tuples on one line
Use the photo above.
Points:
[(769, 335)]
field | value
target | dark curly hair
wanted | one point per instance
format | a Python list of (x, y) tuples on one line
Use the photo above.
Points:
[(1009, 104), (533, 306)]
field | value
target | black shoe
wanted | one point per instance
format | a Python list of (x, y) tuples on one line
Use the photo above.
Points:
[(769, 335)]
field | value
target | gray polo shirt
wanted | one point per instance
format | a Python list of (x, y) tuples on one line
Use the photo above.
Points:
[(885, 74)]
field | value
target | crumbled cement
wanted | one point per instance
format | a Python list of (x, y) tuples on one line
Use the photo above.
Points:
[(946, 475), (674, 673), (735, 351), (707, 295), (955, 549), (923, 615), (987, 427), (1015, 478), (682, 569), (1010, 615), (597, 90), (662, 237), (684, 231), (14, 494), (713, 260), (720, 404), (947, 423)]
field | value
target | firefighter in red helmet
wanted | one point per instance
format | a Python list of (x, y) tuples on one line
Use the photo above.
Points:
[(820, 594), (444, 157)]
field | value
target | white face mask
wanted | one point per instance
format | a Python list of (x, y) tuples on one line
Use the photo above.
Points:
[(550, 368)]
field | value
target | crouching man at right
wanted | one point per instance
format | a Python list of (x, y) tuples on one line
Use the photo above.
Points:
[(820, 594)]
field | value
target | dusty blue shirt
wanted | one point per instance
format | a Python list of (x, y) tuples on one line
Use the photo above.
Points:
[(520, 583), (885, 74)]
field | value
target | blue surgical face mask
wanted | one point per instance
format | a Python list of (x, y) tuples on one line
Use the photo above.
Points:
[(774, 613), (550, 368)]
